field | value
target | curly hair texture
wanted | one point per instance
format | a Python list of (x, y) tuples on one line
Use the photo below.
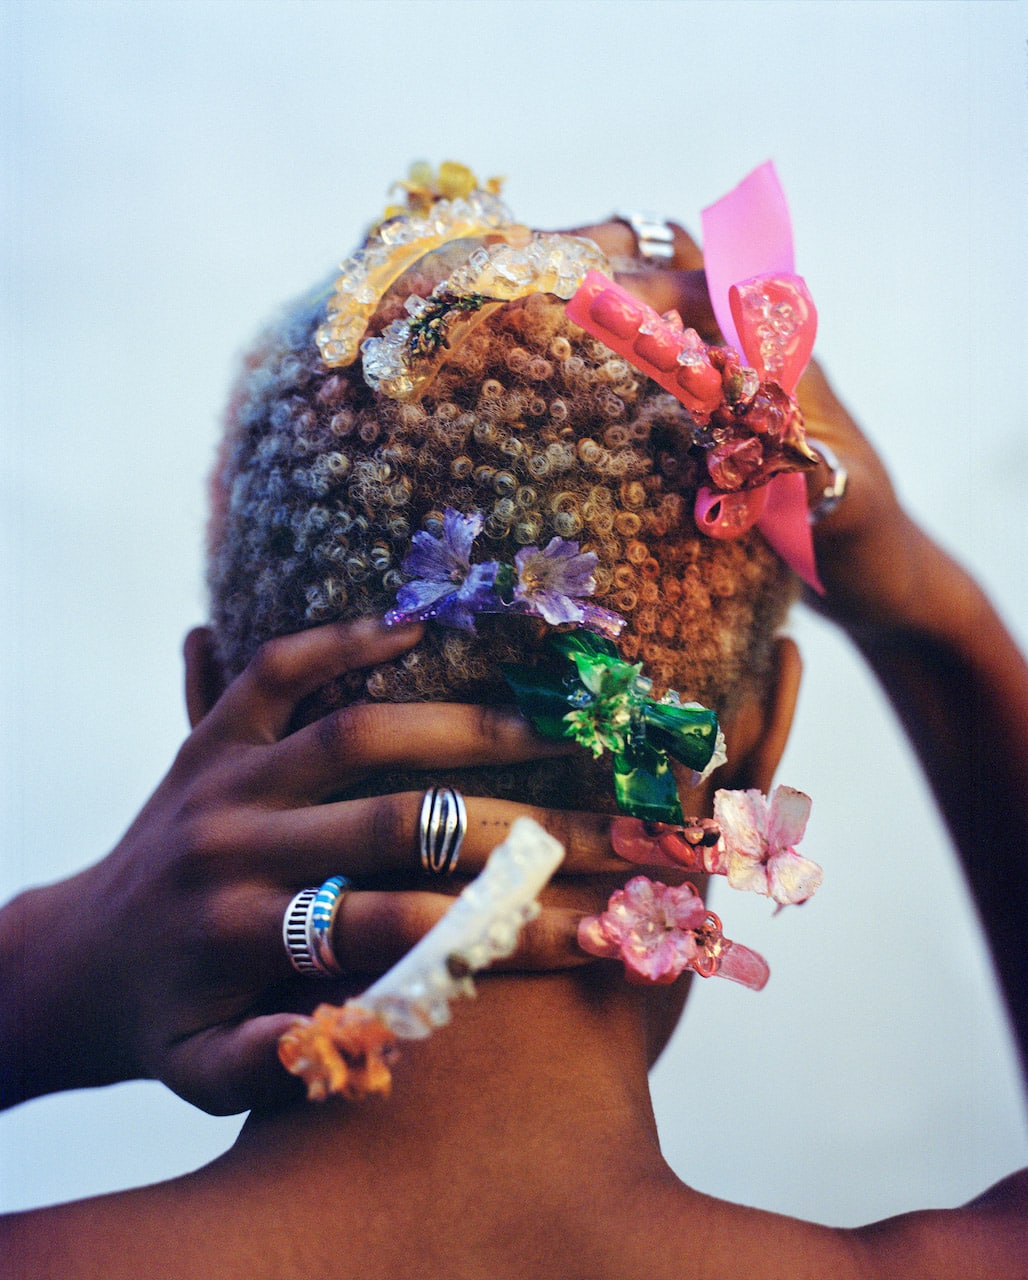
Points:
[(322, 482)]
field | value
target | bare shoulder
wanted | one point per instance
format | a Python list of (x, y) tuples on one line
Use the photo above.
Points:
[(988, 1237), (119, 1236)]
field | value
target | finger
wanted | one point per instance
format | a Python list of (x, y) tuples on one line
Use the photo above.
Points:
[(681, 286), (258, 705), (341, 748), (375, 930), (614, 237), (232, 1067), (688, 255), (617, 240), (682, 291), (379, 835), (205, 682)]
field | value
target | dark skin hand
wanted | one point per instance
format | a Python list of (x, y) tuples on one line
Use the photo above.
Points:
[(192, 985)]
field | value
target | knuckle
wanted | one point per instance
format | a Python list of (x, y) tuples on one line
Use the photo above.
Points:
[(548, 942), (539, 946), (585, 837), (495, 725), (375, 929), (405, 920), (272, 668), (348, 735), (191, 756), (393, 822), (205, 838), (228, 915), (559, 824)]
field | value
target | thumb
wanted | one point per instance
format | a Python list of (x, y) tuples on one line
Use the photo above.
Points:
[(232, 1068)]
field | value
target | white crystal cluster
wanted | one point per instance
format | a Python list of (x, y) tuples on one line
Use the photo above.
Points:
[(393, 248), (483, 925), (775, 324), (500, 273)]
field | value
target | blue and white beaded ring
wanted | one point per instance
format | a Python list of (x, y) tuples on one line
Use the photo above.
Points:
[(307, 928)]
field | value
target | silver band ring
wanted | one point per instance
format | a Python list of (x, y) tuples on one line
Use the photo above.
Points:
[(444, 820), (307, 928), (654, 238), (835, 486)]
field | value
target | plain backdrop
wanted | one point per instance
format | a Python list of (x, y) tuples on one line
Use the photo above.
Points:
[(172, 172)]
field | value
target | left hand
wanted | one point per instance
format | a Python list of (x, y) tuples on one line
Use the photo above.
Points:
[(165, 959)]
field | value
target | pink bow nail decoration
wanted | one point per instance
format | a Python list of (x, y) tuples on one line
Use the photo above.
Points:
[(765, 310)]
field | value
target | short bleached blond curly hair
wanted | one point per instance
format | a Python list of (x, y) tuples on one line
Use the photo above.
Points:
[(321, 483)]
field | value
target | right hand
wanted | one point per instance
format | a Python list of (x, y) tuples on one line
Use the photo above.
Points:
[(872, 559)]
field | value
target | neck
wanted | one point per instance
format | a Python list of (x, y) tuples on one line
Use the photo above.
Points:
[(538, 1085), (557, 1048)]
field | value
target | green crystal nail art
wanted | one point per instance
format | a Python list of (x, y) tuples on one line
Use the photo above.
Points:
[(592, 696)]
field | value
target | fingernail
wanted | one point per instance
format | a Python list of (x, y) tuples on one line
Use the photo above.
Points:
[(394, 623), (659, 845)]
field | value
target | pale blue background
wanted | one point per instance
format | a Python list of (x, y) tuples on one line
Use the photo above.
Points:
[(172, 171)]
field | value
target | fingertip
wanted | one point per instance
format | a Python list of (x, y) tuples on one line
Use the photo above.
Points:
[(378, 640), (196, 639), (230, 1069), (204, 678)]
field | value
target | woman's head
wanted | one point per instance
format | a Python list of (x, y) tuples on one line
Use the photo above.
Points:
[(540, 428)]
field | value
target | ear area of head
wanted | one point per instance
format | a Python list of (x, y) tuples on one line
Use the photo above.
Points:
[(756, 734), (205, 680)]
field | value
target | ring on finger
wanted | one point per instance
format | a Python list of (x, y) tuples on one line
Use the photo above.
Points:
[(835, 486), (654, 236), (441, 829), (307, 928)]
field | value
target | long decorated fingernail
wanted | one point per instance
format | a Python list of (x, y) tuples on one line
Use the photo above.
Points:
[(659, 931), (693, 846)]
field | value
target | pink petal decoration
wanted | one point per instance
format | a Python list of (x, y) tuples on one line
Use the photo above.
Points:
[(744, 966), (748, 233), (791, 878), (728, 515), (789, 815), (659, 931), (786, 526), (759, 838), (777, 322)]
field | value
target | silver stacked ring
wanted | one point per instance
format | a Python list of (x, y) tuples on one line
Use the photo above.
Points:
[(307, 928), (444, 820), (654, 238), (835, 486)]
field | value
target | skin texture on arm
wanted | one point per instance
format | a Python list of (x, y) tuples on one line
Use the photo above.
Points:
[(952, 672)]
